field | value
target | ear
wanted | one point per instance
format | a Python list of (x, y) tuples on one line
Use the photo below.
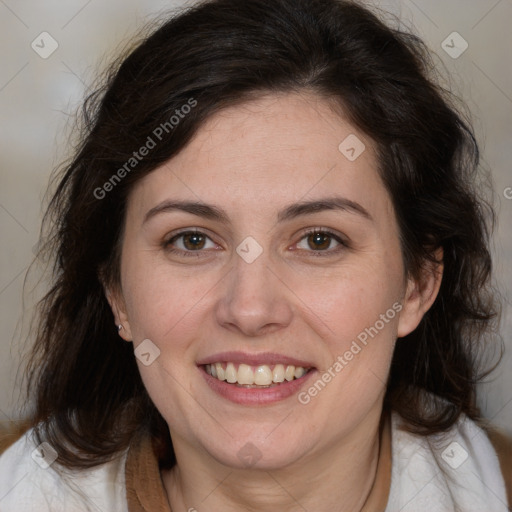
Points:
[(117, 305), (420, 294)]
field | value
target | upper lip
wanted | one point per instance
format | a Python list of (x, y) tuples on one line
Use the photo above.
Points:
[(268, 358)]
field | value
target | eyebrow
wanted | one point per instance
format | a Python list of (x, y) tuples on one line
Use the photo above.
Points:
[(292, 211)]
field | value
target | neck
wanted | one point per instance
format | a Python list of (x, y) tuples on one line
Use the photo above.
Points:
[(337, 477)]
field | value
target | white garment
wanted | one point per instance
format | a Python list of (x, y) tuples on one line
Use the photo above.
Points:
[(457, 471), (26, 486)]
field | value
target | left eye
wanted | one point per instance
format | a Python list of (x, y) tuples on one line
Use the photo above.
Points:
[(319, 241)]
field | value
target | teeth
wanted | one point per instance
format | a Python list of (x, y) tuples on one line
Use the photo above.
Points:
[(278, 373), (299, 372), (262, 375), (231, 373), (245, 374), (221, 373)]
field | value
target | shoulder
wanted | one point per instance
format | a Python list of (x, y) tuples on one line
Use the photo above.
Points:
[(31, 480), (455, 470)]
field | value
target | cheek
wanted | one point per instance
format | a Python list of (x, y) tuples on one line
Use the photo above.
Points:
[(345, 303), (357, 319), (164, 303), (355, 312), (154, 309)]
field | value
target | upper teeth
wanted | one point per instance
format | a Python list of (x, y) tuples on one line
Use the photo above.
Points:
[(262, 375)]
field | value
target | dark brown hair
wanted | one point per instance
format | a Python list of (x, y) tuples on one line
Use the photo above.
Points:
[(89, 397)]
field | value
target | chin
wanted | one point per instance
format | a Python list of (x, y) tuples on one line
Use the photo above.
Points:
[(253, 453)]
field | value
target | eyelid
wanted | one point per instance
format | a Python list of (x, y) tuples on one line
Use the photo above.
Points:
[(324, 230)]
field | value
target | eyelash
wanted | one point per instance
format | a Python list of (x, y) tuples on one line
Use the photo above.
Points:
[(325, 253)]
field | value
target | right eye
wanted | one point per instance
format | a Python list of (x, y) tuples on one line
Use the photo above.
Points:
[(187, 242)]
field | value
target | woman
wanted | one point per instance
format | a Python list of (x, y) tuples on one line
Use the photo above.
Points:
[(273, 205)]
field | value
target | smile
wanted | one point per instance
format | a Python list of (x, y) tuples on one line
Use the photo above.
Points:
[(262, 375), (255, 379)]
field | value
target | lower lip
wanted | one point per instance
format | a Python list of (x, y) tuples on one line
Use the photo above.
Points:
[(256, 396)]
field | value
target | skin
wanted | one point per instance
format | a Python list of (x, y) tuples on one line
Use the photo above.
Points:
[(253, 160)]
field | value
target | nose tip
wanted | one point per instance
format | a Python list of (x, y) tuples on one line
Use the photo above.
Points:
[(254, 301)]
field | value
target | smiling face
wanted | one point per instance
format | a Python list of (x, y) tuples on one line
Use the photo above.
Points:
[(256, 290)]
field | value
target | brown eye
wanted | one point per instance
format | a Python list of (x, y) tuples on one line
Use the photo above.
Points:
[(321, 241), (318, 241), (193, 241), (188, 242)]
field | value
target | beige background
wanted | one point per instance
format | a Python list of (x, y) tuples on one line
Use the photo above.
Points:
[(38, 96)]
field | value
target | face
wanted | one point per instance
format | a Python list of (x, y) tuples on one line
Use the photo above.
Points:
[(262, 250)]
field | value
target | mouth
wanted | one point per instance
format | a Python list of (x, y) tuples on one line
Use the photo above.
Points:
[(254, 377)]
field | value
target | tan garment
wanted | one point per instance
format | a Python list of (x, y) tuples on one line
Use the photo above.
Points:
[(144, 487)]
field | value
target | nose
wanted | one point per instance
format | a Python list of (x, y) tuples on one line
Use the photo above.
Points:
[(254, 300)]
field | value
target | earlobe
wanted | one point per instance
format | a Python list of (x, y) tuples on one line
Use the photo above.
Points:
[(120, 317), (420, 294)]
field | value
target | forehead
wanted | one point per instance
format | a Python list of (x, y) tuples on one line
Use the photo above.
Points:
[(269, 151)]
